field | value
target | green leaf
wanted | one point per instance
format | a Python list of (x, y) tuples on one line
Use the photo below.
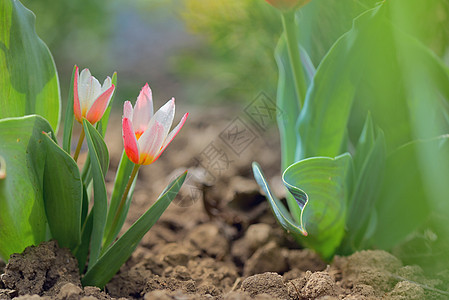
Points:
[(63, 193), (28, 77), (319, 185), (99, 158), (286, 104), (120, 251), (22, 212), (369, 174), (121, 180), (69, 116), (280, 211), (322, 22), (82, 251), (368, 69), (288, 111), (364, 145), (2, 168), (404, 202)]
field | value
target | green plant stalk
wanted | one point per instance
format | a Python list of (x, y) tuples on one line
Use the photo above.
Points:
[(80, 143), (110, 235), (288, 22)]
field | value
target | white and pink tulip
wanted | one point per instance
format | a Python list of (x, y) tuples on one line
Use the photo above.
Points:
[(90, 98), (146, 135)]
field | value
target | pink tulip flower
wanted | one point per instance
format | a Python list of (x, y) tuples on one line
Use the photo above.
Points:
[(90, 98), (146, 135)]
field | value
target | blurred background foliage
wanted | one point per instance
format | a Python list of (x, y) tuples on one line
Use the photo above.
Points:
[(203, 51)]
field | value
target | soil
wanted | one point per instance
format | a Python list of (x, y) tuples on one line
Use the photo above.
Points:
[(218, 240)]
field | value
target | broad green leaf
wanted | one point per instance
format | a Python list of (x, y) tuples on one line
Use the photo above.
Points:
[(28, 77), (319, 185), (404, 203), (22, 212), (425, 20), (99, 158), (69, 117), (121, 180), (281, 213), (110, 262), (322, 22), (63, 194), (365, 70)]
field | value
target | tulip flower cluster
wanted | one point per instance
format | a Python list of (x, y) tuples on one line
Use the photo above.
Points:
[(73, 203), (145, 137)]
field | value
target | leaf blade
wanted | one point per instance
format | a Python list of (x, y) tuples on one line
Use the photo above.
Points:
[(22, 212), (63, 193), (28, 78), (110, 262), (99, 158)]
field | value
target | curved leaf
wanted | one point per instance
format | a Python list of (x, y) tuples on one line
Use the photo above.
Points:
[(28, 78), (319, 185), (110, 262), (63, 193), (22, 212), (280, 211)]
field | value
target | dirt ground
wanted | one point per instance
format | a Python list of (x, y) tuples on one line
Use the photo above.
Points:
[(218, 240)]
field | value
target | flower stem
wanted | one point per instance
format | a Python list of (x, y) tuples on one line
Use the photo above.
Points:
[(288, 22), (80, 143), (111, 233)]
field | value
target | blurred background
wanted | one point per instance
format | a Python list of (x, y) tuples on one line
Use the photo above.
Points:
[(196, 51), (199, 51)]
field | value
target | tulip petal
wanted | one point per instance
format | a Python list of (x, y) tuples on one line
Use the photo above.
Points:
[(143, 110), (128, 111), (130, 141), (97, 109), (84, 76), (93, 92), (76, 100), (165, 116), (151, 142), (172, 134), (106, 84)]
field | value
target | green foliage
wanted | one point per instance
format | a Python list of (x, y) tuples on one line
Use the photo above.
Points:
[(63, 194), (28, 77), (381, 97), (22, 212), (236, 59), (43, 195), (111, 261), (99, 158)]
